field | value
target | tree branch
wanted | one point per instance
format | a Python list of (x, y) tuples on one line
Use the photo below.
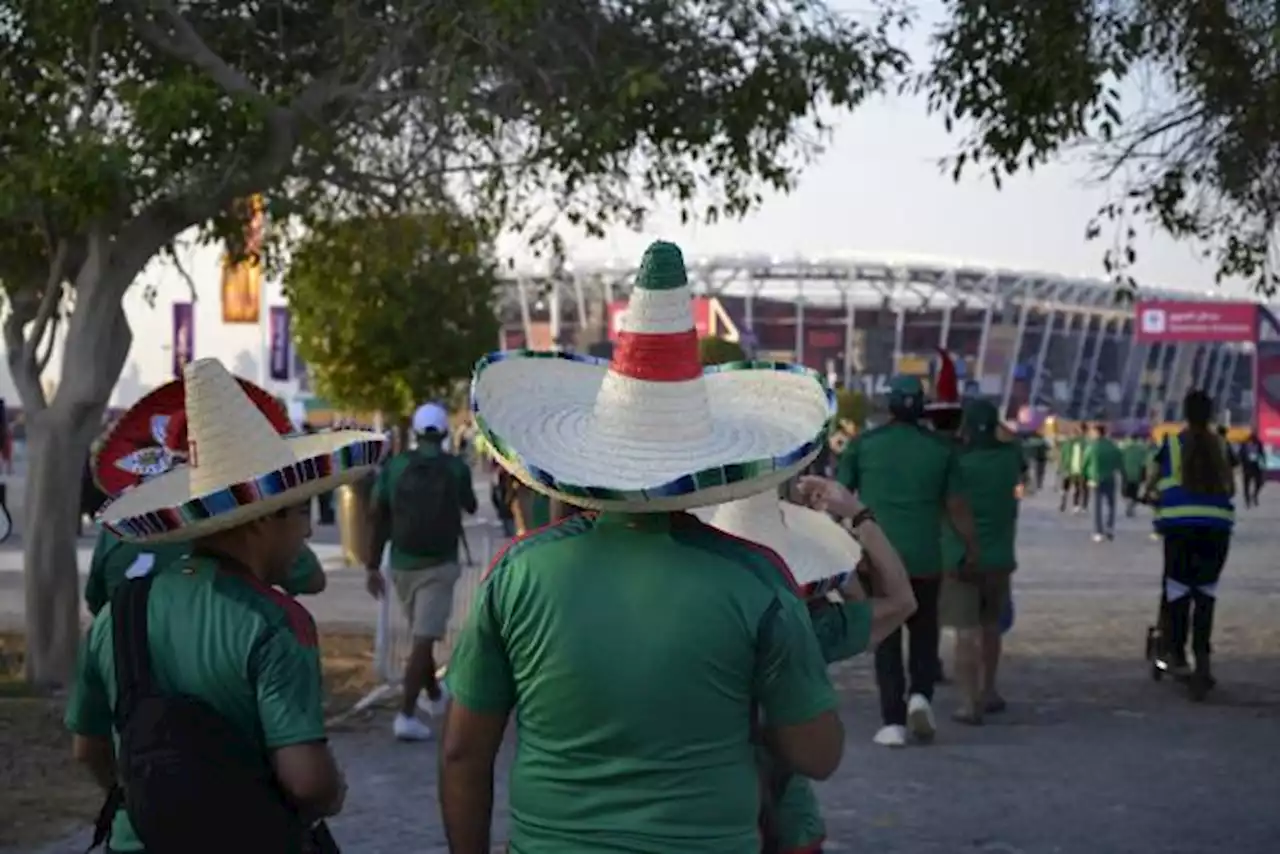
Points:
[(48, 306), (184, 44), (93, 80)]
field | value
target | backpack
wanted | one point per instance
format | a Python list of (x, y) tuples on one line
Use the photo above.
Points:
[(426, 515), (184, 782)]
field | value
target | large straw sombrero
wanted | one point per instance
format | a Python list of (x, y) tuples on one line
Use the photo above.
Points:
[(652, 430), (239, 468), (819, 552), (150, 438)]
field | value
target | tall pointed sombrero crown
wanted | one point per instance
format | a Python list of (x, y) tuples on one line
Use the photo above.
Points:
[(238, 467), (946, 386), (652, 430)]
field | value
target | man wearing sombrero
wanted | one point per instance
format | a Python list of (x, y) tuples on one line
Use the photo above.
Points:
[(638, 642), (208, 676), (907, 475), (148, 440), (821, 556)]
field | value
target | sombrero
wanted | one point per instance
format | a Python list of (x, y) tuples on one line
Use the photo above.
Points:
[(652, 430), (238, 468), (151, 437), (819, 552)]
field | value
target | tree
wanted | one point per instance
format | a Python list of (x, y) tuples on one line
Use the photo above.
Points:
[(391, 311), (126, 123), (713, 350), (1197, 153)]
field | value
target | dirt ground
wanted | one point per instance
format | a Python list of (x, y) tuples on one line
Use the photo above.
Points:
[(46, 795)]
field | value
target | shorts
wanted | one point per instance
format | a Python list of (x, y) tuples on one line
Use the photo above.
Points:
[(974, 604), (427, 597)]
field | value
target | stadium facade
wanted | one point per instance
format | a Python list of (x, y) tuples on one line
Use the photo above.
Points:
[(1024, 339)]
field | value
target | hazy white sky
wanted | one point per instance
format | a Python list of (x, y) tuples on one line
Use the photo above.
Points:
[(878, 191)]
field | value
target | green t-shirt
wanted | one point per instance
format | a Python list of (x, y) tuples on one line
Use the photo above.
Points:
[(384, 490), (115, 560), (1102, 461), (990, 472), (1135, 455), (843, 631), (904, 473), (634, 716), (244, 648), (1066, 452)]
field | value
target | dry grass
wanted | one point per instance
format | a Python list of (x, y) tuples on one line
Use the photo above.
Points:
[(46, 795)]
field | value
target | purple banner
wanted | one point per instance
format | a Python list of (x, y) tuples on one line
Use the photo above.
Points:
[(281, 346), (184, 336)]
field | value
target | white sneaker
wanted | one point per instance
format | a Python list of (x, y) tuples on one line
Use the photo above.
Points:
[(920, 718), (1097, 538), (409, 728), (435, 708), (892, 735)]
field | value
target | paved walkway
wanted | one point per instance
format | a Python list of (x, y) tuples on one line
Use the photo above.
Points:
[(1092, 757)]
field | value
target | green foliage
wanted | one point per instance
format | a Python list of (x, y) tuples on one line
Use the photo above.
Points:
[(851, 408), (391, 311), (1195, 152), (717, 351)]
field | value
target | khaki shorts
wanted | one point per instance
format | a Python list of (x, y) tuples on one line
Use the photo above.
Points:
[(973, 604), (427, 597)]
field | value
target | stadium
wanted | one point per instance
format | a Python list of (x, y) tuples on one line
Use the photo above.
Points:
[(1031, 341)]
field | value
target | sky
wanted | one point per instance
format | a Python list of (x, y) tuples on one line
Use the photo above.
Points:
[(877, 193)]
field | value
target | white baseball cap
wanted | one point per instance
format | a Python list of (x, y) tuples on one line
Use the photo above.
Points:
[(430, 416)]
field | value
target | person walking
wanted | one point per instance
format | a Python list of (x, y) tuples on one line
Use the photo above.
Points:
[(846, 620), (151, 439), (1252, 456), (906, 474), (1195, 517), (1067, 445), (1135, 451), (198, 692), (418, 500), (975, 601), (1101, 468), (644, 647)]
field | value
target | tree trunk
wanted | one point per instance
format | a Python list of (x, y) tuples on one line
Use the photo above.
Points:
[(56, 450), (58, 441)]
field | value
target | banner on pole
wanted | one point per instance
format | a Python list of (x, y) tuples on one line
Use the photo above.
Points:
[(184, 336), (281, 345), (1266, 396)]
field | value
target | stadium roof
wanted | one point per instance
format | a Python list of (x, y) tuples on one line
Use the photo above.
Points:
[(867, 280)]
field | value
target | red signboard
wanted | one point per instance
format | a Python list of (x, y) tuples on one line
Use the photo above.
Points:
[(1171, 320), (1267, 393)]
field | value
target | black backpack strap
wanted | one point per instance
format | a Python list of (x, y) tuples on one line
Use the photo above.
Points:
[(132, 655), (130, 645)]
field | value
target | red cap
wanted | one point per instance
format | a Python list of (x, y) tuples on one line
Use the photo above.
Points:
[(151, 437)]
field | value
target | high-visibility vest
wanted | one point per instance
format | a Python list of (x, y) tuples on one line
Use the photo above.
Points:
[(1179, 507)]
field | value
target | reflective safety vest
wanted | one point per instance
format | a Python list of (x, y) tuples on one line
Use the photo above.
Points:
[(1179, 507)]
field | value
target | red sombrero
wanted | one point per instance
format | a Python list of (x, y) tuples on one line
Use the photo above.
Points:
[(946, 387), (151, 437)]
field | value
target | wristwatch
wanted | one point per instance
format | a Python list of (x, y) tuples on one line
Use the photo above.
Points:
[(866, 514)]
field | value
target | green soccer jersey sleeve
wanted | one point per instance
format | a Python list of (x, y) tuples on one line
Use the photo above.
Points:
[(306, 575), (290, 698), (792, 685), (480, 675), (89, 707), (847, 468), (843, 630)]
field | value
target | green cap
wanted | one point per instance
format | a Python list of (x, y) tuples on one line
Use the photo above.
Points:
[(906, 393), (981, 418), (662, 268)]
